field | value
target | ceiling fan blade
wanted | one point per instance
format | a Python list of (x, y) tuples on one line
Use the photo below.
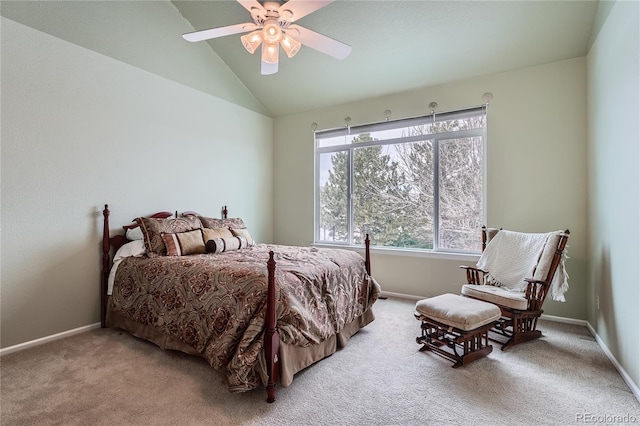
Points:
[(219, 32), (267, 69), (300, 8), (251, 5), (319, 42)]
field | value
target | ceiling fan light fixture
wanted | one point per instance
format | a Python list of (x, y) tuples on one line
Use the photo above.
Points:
[(270, 53), (271, 32), (252, 40), (290, 45)]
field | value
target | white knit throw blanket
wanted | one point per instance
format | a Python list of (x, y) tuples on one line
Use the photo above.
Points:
[(510, 257)]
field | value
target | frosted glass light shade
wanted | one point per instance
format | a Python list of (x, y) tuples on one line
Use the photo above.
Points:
[(271, 32), (251, 41), (270, 53), (290, 45)]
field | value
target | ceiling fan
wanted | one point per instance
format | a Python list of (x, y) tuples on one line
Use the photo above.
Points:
[(272, 27)]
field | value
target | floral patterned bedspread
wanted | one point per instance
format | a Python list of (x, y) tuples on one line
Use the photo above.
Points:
[(217, 302)]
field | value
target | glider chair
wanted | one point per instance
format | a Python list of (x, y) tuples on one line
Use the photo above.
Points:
[(516, 271)]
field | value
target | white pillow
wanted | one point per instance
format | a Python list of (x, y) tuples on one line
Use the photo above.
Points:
[(134, 248), (134, 234)]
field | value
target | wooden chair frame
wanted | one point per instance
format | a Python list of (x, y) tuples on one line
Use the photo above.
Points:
[(520, 325), (459, 346)]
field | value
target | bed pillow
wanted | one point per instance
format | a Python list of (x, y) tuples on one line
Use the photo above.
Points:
[(211, 222), (133, 248), (135, 234), (213, 233), (184, 243), (219, 245), (153, 228), (243, 232)]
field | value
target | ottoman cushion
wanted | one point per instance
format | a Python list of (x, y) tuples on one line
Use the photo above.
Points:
[(457, 311)]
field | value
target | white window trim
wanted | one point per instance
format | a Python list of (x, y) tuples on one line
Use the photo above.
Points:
[(405, 252), (399, 251)]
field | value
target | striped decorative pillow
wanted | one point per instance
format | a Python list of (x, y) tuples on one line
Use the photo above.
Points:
[(219, 245), (183, 243)]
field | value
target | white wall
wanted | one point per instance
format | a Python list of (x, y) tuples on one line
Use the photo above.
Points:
[(79, 130), (614, 184), (536, 169)]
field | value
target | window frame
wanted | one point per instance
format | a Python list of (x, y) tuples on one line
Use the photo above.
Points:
[(395, 124)]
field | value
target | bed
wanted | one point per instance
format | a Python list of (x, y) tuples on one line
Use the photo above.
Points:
[(258, 313)]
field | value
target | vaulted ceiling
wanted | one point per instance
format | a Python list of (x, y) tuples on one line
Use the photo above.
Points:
[(397, 45), (400, 45)]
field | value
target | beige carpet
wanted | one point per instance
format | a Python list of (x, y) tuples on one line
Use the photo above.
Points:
[(107, 377)]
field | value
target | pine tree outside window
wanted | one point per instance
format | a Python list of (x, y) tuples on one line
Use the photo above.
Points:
[(413, 184)]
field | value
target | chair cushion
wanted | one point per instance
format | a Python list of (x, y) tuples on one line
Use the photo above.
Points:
[(498, 295), (456, 311)]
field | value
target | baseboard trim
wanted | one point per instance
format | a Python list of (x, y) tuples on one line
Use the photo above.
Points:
[(400, 295), (565, 320), (625, 376), (43, 340)]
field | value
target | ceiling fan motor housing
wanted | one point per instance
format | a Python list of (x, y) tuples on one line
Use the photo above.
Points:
[(272, 12)]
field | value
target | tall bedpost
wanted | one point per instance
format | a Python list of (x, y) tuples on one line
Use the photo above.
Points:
[(224, 212), (106, 260), (271, 337), (367, 255)]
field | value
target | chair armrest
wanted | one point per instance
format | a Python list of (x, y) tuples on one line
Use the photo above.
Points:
[(472, 268), (474, 275)]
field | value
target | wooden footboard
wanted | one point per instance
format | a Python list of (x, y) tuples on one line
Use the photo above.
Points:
[(271, 337)]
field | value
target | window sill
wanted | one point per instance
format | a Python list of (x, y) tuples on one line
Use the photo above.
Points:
[(430, 254)]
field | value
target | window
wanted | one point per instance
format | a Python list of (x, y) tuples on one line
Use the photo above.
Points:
[(416, 183)]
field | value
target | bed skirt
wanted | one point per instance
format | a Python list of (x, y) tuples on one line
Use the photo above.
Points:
[(292, 358)]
